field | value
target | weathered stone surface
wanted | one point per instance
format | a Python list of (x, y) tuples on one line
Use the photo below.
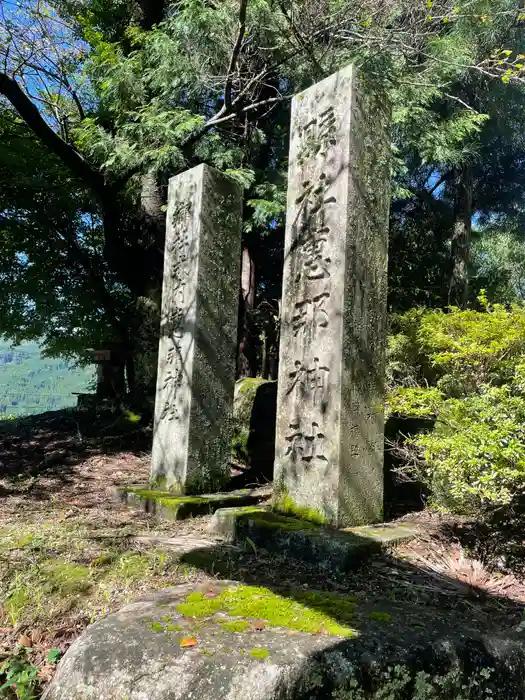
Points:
[(329, 442), (325, 548), (254, 412), (171, 507), (138, 653), (196, 369)]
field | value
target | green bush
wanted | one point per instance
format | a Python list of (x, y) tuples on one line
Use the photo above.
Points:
[(457, 351), (414, 402), (474, 459), (468, 369)]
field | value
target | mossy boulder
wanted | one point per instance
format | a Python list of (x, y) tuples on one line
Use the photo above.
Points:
[(254, 412), (225, 641)]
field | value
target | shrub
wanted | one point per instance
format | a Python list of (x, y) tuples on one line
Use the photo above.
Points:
[(457, 351), (474, 459), (468, 368), (415, 402)]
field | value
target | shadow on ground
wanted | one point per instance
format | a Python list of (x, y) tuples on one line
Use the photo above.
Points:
[(52, 444), (406, 616)]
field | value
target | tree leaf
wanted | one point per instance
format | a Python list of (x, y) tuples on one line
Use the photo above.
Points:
[(53, 655), (188, 642)]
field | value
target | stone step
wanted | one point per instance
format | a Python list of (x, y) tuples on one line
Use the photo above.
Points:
[(169, 506), (324, 547)]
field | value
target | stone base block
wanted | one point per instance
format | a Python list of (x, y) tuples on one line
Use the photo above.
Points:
[(169, 506), (327, 548)]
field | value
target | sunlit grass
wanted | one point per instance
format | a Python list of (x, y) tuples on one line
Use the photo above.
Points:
[(58, 572)]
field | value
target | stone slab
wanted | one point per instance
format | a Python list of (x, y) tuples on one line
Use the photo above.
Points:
[(198, 334), (182, 544), (222, 641), (329, 438), (325, 548), (169, 506)]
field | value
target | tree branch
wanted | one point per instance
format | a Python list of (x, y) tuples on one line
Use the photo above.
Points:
[(235, 55), (301, 41), (34, 120)]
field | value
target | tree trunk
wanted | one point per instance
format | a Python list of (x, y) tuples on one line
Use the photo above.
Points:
[(461, 239), (246, 353)]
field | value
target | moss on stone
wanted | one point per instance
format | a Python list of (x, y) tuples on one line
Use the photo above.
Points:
[(157, 627), (250, 385), (246, 510), (304, 611), (165, 497), (259, 653), (378, 616), (235, 625), (240, 441), (160, 483), (173, 628), (285, 504), (274, 520)]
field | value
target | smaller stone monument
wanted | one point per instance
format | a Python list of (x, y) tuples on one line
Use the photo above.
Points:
[(197, 349)]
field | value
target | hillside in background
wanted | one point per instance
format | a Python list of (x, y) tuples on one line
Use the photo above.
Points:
[(30, 383)]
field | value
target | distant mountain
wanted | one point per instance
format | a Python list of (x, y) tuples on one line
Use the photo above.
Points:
[(30, 383)]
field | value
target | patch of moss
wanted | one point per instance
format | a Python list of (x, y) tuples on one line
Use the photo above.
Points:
[(160, 483), (378, 616), (306, 611), (23, 541), (173, 628), (273, 520), (235, 625), (157, 627), (246, 510), (131, 566), (250, 384), (240, 441), (285, 504), (65, 578), (259, 653), (103, 560), (165, 497)]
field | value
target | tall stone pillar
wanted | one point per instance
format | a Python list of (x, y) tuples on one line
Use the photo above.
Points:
[(197, 350), (329, 443)]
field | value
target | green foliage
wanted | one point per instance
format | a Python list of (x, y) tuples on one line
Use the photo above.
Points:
[(499, 265), (475, 457), (417, 402), (470, 366), (31, 383), (400, 682), (458, 351), (21, 675)]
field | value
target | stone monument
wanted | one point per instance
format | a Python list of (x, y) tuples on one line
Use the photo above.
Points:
[(197, 349), (329, 441)]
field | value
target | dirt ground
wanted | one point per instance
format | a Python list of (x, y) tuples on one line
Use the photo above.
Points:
[(70, 553)]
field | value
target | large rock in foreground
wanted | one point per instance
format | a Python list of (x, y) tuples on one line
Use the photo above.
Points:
[(241, 643)]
